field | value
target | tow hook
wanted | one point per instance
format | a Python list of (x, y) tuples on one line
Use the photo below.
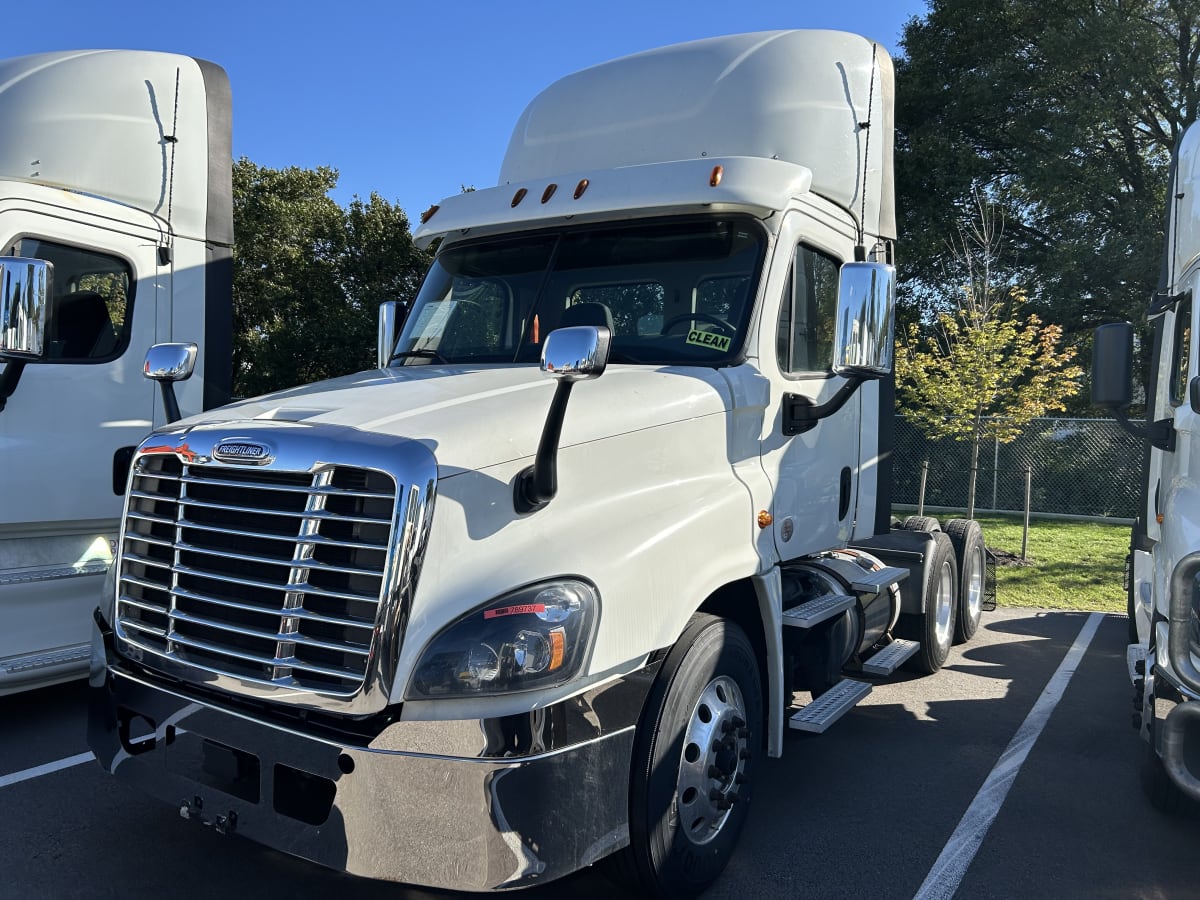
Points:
[(193, 809)]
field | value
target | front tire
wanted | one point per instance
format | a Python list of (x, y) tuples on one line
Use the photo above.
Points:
[(693, 762)]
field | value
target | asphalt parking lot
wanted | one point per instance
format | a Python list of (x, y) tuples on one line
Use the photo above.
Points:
[(1012, 773)]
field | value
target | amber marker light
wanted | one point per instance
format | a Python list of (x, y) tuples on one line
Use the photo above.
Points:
[(519, 196), (429, 213), (558, 648), (581, 187), (549, 192), (718, 173), (764, 518)]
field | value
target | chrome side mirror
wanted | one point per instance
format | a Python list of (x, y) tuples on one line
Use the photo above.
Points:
[(389, 321), (576, 353), (572, 354), (166, 364), (26, 286), (864, 332)]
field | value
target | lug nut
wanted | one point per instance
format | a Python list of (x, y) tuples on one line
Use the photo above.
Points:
[(716, 772)]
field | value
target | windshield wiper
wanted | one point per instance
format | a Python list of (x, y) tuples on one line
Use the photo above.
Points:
[(424, 353)]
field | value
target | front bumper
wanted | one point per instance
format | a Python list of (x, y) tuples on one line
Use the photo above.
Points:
[(517, 816)]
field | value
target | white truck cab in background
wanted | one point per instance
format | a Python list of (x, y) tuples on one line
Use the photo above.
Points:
[(1163, 570), (115, 171), (611, 515)]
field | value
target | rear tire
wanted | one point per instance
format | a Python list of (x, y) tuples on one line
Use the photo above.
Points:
[(921, 523), (969, 553), (693, 762), (934, 628)]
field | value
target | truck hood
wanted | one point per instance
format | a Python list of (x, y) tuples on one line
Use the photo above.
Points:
[(473, 418)]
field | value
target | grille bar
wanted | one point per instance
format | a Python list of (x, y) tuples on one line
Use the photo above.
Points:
[(300, 614), (299, 489), (296, 637), (258, 659), (261, 511), (271, 577), (312, 564)]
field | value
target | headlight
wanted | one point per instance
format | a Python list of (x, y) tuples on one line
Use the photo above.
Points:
[(536, 637)]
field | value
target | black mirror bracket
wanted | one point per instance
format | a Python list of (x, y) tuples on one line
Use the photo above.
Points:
[(536, 486), (1160, 434), (800, 414)]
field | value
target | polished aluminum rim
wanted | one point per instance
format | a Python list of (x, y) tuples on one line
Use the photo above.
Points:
[(713, 762), (944, 598), (975, 584)]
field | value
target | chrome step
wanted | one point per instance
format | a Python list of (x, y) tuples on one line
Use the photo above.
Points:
[(830, 706), (35, 661), (31, 576), (888, 660), (1134, 654), (880, 579), (806, 615)]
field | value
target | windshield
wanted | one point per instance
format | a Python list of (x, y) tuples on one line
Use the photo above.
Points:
[(674, 292)]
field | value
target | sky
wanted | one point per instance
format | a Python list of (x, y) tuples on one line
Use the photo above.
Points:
[(411, 100)]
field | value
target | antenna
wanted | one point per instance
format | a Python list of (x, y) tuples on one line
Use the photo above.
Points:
[(860, 251), (164, 251)]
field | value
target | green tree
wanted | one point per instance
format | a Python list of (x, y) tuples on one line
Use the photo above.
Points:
[(1062, 114), (309, 276), (986, 366)]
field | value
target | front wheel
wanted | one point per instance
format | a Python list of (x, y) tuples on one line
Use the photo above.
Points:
[(693, 762)]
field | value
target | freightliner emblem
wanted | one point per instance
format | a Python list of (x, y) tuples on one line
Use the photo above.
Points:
[(242, 452)]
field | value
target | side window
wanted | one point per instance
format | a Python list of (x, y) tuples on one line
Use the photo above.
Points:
[(806, 316), (92, 302), (1181, 351)]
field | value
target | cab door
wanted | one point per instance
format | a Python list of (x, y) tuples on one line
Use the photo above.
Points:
[(65, 430), (814, 475)]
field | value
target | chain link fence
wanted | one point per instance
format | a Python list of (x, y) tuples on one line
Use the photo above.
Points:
[(1079, 467)]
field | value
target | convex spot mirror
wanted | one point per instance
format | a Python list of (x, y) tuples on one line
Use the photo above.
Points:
[(26, 286), (863, 337)]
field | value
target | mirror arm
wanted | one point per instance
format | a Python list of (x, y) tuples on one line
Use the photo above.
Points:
[(9, 379), (537, 485), (170, 403), (1160, 434), (800, 414)]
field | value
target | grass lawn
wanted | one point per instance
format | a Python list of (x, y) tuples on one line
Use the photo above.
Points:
[(1071, 565)]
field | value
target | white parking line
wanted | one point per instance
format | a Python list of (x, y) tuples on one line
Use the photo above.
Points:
[(57, 766), (952, 864)]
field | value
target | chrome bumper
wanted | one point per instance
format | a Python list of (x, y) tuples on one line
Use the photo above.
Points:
[(457, 822)]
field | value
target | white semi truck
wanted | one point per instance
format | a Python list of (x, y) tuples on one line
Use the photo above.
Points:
[(115, 173), (467, 621), (1163, 570)]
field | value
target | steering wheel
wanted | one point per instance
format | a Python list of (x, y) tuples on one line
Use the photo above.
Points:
[(699, 317)]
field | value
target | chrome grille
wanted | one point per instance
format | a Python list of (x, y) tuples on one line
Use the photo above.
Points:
[(267, 576)]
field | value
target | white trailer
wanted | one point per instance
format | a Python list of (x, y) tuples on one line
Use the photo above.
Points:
[(114, 176), (456, 623), (1164, 558)]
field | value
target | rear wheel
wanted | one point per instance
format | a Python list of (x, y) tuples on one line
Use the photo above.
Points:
[(693, 760), (969, 553), (921, 523), (934, 628)]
